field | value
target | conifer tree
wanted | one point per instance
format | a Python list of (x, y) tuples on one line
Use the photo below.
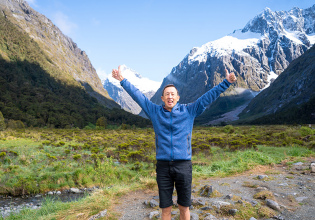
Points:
[(2, 123), (101, 122)]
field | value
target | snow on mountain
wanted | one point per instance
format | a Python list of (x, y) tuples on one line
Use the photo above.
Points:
[(146, 86), (257, 54)]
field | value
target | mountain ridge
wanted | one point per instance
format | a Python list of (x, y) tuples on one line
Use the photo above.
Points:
[(61, 50), (255, 54)]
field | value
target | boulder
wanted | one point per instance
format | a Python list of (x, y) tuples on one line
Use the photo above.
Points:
[(154, 203), (272, 204), (152, 214)]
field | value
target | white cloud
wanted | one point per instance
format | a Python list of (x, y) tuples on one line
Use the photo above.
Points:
[(64, 24)]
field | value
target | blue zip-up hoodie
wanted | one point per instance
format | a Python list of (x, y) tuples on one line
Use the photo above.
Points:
[(173, 129)]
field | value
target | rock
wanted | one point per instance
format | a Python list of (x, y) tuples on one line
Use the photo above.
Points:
[(99, 215), (283, 184), (154, 203), (272, 204), (197, 202), (230, 196), (50, 193), (300, 199), (206, 191), (37, 196), (261, 188), (58, 193), (210, 217), (298, 164), (194, 216), (219, 204), (152, 214), (240, 201), (252, 218), (75, 190), (233, 211), (262, 177), (206, 208), (312, 167)]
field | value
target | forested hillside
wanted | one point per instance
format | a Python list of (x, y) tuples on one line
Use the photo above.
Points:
[(35, 91)]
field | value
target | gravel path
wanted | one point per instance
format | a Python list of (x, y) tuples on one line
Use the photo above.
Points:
[(293, 187)]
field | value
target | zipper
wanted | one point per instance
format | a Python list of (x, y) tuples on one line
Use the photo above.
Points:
[(172, 151), (188, 146)]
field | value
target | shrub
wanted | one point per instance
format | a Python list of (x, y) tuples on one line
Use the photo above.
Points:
[(77, 156), (16, 124), (305, 131), (229, 129)]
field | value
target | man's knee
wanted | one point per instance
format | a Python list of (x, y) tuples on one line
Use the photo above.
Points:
[(183, 208), (167, 210)]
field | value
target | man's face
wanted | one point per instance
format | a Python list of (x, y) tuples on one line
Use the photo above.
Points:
[(170, 97)]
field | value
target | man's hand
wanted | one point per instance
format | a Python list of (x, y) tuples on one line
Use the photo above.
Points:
[(116, 74), (230, 77)]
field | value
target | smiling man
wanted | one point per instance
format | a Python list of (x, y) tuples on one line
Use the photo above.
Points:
[(173, 124)]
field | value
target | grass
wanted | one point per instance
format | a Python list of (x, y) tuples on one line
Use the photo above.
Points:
[(119, 161)]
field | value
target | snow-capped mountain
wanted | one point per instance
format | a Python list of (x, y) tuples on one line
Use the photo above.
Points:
[(146, 86), (257, 54)]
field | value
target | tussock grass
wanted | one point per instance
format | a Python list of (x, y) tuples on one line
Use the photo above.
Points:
[(38, 160)]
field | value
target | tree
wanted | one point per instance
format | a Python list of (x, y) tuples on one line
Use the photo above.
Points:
[(101, 122), (2, 123)]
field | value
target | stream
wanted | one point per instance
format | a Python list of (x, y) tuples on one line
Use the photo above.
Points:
[(10, 204)]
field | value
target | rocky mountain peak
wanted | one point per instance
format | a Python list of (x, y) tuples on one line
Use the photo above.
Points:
[(295, 19), (146, 86), (257, 54)]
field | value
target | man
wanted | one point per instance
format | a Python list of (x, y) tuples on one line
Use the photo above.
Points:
[(173, 124)]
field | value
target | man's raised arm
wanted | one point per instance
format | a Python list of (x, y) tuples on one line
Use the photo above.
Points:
[(147, 106), (201, 103)]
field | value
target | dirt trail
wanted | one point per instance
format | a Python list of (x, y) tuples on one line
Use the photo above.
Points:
[(293, 188)]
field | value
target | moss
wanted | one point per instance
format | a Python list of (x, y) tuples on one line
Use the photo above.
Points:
[(264, 195), (266, 212)]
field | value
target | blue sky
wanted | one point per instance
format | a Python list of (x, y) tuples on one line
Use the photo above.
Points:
[(150, 36)]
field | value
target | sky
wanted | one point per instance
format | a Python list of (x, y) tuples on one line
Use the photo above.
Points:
[(150, 36)]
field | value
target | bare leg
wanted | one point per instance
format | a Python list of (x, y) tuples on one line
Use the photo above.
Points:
[(166, 213), (184, 212)]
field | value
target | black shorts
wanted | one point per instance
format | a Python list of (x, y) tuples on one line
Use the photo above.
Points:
[(169, 173)]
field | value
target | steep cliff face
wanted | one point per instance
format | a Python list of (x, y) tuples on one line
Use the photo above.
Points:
[(115, 91), (257, 54), (61, 50), (291, 90)]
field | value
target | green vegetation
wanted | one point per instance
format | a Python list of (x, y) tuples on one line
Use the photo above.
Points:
[(35, 92), (118, 160), (2, 123)]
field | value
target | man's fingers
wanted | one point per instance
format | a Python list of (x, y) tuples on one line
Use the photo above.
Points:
[(119, 69), (226, 73)]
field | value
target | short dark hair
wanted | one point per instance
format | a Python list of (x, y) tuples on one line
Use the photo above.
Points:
[(169, 85)]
